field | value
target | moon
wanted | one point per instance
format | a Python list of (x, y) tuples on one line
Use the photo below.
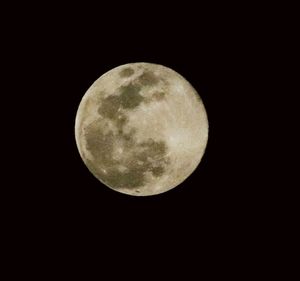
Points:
[(141, 129)]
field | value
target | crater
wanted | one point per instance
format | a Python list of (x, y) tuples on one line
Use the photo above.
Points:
[(159, 96), (126, 72)]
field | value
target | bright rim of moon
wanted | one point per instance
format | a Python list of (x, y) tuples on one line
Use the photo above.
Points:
[(141, 129)]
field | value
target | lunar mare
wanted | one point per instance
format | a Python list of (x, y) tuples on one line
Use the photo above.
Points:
[(141, 129)]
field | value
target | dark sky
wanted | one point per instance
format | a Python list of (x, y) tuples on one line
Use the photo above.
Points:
[(60, 51)]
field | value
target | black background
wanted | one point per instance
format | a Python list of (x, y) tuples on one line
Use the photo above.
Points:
[(61, 51)]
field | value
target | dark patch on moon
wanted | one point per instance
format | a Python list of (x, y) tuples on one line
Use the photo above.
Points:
[(148, 78), (99, 144), (109, 107), (130, 96), (157, 171), (128, 179), (148, 156), (126, 72), (128, 137), (138, 164), (121, 120), (154, 148)]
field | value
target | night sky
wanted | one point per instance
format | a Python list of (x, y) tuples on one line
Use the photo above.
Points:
[(61, 51)]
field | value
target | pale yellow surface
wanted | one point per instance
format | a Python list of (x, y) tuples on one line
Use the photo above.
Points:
[(168, 116)]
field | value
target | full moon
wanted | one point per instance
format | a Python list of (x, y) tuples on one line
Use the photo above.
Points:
[(141, 129)]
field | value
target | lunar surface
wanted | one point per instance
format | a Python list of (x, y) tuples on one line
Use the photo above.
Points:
[(141, 129)]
